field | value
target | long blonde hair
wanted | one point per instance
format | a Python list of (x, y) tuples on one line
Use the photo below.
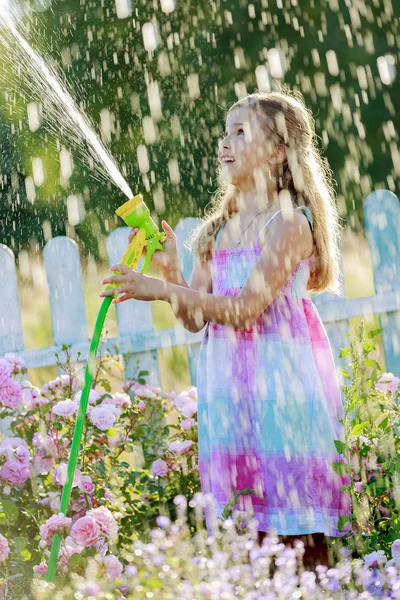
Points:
[(305, 174)]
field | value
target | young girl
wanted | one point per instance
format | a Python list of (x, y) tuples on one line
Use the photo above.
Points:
[(269, 399)]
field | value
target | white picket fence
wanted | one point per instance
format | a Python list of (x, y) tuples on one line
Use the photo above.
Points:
[(135, 321)]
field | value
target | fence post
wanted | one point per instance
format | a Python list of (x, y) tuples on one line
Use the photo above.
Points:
[(382, 219), (336, 330), (134, 317), (63, 271), (11, 336), (186, 261)]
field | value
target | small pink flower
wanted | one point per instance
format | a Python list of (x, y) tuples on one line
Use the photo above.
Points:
[(91, 589), (31, 395), (142, 405), (113, 441), (5, 370), (93, 397), (15, 473), (4, 548), (113, 567), (10, 393), (85, 531), (102, 418), (41, 569), (189, 409), (17, 362), (121, 399), (358, 486), (188, 424), (65, 408), (55, 524), (396, 550), (53, 500), (159, 468), (108, 495), (86, 484), (42, 464), (60, 475), (180, 446), (145, 392), (388, 383), (105, 520)]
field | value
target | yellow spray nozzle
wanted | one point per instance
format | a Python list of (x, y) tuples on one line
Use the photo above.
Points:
[(136, 214)]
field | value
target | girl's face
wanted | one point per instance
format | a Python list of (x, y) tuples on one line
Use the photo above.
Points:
[(246, 148)]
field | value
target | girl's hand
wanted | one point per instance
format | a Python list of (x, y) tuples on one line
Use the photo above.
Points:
[(167, 259), (133, 285)]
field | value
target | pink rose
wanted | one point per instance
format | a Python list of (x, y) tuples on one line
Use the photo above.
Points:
[(102, 418), (31, 395), (86, 484), (180, 446), (113, 567), (42, 464), (93, 397), (145, 392), (142, 405), (55, 524), (17, 362), (15, 473), (388, 383), (189, 409), (396, 550), (41, 569), (105, 520), (188, 424), (108, 495), (5, 370), (4, 548), (85, 531), (118, 399), (53, 499), (60, 475), (159, 468), (10, 393), (65, 408)]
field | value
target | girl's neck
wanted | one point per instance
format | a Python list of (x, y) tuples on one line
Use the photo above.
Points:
[(252, 201)]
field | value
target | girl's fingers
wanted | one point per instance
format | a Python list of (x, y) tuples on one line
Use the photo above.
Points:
[(114, 279)]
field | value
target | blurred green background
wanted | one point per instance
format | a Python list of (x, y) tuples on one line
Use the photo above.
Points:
[(156, 78)]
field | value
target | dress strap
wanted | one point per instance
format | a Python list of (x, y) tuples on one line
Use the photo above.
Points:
[(218, 236), (307, 213)]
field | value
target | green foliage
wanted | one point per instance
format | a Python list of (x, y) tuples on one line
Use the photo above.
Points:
[(371, 449), (104, 62)]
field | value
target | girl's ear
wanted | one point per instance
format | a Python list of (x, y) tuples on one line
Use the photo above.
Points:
[(279, 155)]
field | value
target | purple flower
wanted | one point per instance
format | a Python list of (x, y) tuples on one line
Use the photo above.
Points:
[(159, 468), (102, 418), (388, 383)]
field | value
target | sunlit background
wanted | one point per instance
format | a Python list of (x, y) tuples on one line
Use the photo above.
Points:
[(156, 79)]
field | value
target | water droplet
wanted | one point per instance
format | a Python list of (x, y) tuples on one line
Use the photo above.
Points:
[(76, 209), (387, 69), (123, 8), (33, 116), (149, 33), (38, 171)]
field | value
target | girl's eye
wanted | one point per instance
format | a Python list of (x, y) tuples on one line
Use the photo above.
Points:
[(240, 131)]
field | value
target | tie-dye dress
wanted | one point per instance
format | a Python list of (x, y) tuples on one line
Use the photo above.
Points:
[(269, 404)]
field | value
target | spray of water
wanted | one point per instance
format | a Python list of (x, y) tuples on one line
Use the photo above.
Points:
[(43, 78)]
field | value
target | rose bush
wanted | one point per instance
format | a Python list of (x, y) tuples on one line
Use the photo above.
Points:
[(117, 493), (135, 526)]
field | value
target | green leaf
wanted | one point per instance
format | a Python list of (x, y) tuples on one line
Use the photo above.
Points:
[(340, 468), (340, 446), (357, 429), (106, 385), (345, 373), (21, 545), (342, 521), (383, 424), (373, 333), (372, 363), (10, 509), (344, 352)]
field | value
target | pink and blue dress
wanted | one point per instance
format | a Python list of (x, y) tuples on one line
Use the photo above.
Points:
[(269, 404)]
